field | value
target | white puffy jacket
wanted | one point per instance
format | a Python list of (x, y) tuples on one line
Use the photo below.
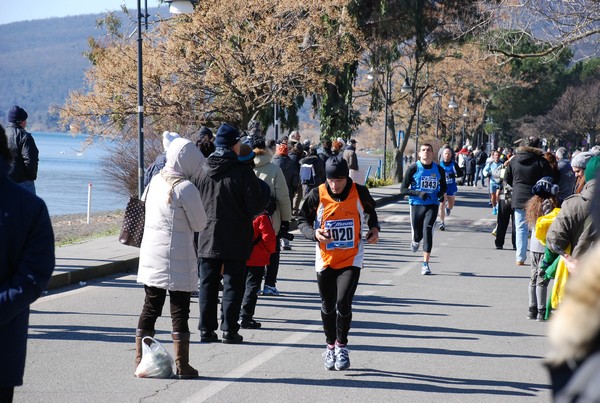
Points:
[(167, 254)]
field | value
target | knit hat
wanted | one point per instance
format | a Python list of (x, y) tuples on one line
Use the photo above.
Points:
[(581, 160), (282, 149), (294, 137), (246, 153), (17, 114), (227, 136), (591, 168), (544, 188), (336, 168), (168, 137)]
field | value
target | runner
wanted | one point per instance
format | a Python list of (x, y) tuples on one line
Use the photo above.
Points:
[(339, 251), (425, 183), (453, 171)]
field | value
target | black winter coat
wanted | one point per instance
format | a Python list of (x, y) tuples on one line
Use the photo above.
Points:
[(291, 172), (523, 171), (231, 196), (25, 154), (26, 265)]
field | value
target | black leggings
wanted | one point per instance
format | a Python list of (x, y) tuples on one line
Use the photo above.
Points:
[(153, 305), (337, 288), (422, 217)]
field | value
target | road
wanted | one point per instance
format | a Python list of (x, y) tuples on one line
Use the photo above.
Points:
[(459, 335)]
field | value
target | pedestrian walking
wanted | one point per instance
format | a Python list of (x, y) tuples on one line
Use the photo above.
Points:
[(291, 172), (168, 259), (26, 266), (351, 159), (480, 161), (25, 154), (494, 187), (566, 174), (333, 215), (231, 193), (523, 171), (425, 183)]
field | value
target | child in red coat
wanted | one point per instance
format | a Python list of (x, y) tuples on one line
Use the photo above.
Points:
[(264, 243)]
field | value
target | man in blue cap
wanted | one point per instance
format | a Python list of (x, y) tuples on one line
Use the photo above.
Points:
[(232, 196), (23, 149)]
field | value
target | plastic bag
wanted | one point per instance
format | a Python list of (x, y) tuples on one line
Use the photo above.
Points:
[(156, 361)]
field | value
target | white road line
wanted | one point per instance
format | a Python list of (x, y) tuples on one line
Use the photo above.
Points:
[(215, 387)]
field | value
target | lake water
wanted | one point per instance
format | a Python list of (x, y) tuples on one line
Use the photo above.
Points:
[(66, 168)]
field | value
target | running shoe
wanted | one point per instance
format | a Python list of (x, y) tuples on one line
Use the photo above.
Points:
[(425, 269), (329, 355), (448, 211), (414, 246), (342, 360), (268, 290), (442, 227)]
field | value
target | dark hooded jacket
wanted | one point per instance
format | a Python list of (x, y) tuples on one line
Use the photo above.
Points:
[(231, 196), (523, 171), (26, 265), (25, 154)]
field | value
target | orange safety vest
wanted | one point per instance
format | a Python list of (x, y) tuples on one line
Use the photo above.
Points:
[(344, 221)]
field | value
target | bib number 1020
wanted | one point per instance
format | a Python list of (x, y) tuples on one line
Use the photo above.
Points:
[(342, 233)]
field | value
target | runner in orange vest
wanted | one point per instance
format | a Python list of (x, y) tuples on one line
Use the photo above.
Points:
[(335, 214)]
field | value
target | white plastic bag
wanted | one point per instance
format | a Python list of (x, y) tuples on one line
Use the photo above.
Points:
[(156, 361)]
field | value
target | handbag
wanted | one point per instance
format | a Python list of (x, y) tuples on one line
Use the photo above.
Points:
[(133, 223), (156, 361)]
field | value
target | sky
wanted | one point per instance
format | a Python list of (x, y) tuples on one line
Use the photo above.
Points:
[(21, 10)]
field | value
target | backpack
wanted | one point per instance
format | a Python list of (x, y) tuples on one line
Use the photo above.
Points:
[(307, 174)]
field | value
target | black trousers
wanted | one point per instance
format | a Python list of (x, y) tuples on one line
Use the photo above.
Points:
[(273, 266), (153, 305), (208, 293), (506, 214), (422, 219), (337, 288), (254, 276), (7, 394)]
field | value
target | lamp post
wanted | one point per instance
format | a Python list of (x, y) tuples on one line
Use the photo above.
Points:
[(438, 97), (176, 7), (452, 105), (465, 115)]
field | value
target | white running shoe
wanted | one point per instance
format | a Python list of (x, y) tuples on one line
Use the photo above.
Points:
[(425, 269)]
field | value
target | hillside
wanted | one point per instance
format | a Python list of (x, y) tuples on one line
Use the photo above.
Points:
[(41, 61)]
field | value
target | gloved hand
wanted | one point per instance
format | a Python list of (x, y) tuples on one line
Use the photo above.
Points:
[(440, 197), (423, 195), (285, 226)]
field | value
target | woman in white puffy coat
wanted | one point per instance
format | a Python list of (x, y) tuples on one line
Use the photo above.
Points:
[(168, 260)]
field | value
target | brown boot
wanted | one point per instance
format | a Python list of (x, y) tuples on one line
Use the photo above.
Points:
[(181, 343), (139, 335)]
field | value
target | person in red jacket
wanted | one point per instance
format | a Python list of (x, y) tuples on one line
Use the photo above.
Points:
[(263, 246)]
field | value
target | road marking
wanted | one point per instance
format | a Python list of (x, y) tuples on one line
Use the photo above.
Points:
[(385, 282), (215, 387)]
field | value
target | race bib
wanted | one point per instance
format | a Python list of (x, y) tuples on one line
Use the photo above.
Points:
[(342, 232), (449, 178), (429, 183)]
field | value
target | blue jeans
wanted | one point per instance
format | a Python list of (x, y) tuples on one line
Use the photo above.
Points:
[(479, 174), (521, 234)]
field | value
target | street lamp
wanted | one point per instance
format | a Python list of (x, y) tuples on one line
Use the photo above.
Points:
[(176, 7), (452, 105), (465, 115)]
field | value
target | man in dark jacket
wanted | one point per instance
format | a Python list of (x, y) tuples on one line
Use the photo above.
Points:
[(24, 151), (566, 183), (523, 171), (26, 265), (232, 196)]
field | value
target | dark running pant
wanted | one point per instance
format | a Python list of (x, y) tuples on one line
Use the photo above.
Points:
[(254, 276), (208, 293), (337, 288), (153, 305), (422, 220), (505, 215)]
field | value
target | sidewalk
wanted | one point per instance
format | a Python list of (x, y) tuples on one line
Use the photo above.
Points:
[(105, 256)]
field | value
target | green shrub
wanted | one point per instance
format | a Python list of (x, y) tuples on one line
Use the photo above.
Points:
[(377, 183)]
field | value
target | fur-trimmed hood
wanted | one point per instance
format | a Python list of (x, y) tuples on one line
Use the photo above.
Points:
[(530, 150), (262, 157)]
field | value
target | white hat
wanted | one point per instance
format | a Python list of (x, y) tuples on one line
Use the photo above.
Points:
[(168, 137)]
